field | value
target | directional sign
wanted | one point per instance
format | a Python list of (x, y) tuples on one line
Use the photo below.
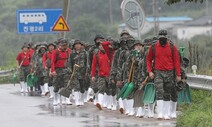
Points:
[(60, 25), (36, 21)]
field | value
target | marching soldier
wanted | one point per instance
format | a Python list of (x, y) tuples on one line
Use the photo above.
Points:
[(47, 66), (144, 74), (166, 70), (79, 57), (102, 62), (38, 70), (23, 64), (59, 71)]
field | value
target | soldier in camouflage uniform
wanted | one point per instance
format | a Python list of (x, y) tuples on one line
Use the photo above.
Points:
[(39, 70), (166, 70), (79, 57), (47, 65), (95, 48), (23, 65), (144, 74), (59, 71)]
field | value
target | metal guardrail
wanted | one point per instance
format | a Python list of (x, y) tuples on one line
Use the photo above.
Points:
[(202, 82)]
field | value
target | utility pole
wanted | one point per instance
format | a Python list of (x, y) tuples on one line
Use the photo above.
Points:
[(207, 7), (155, 16), (66, 6), (111, 12)]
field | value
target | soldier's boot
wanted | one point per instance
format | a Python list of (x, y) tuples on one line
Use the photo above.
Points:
[(131, 109), (46, 89), (173, 108), (42, 90), (77, 97), (51, 88), (85, 96), (105, 102), (126, 107), (160, 109), (22, 86), (140, 112), (59, 98), (121, 106), (100, 101), (114, 103), (90, 95), (151, 110), (26, 87), (166, 110), (55, 98), (81, 98), (63, 100), (68, 100), (110, 101)]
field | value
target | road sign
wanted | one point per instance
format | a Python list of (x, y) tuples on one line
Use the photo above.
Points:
[(60, 25), (37, 21), (133, 14)]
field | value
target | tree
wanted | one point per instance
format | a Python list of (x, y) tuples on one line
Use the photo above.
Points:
[(169, 2)]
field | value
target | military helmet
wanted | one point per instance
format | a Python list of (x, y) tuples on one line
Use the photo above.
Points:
[(52, 43), (77, 42), (138, 42), (147, 41), (124, 32), (162, 33), (63, 42), (25, 45), (98, 36)]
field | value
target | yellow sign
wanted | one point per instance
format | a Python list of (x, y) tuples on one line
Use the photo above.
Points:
[(60, 25)]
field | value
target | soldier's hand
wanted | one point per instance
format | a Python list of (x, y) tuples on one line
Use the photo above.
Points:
[(46, 68), (113, 81), (151, 75), (119, 83), (143, 83), (54, 73), (93, 79), (178, 78)]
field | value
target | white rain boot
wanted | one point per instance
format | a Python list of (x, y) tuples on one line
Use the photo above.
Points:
[(68, 101), (160, 109), (46, 89), (100, 101), (25, 87), (51, 88), (140, 112), (22, 86), (121, 106), (126, 107), (59, 99), (166, 109), (81, 99), (151, 110), (95, 99), (42, 90), (85, 96), (55, 100), (77, 97), (114, 103), (63, 99), (173, 108), (104, 103), (109, 102), (90, 94), (131, 109)]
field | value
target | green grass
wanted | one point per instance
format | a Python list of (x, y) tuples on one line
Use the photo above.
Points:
[(199, 113)]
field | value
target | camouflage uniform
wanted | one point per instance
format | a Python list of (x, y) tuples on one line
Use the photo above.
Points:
[(79, 58)]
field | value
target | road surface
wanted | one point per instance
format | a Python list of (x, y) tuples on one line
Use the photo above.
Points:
[(20, 110)]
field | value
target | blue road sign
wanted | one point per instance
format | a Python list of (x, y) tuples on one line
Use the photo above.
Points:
[(37, 21)]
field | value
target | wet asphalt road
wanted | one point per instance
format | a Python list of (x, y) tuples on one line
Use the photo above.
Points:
[(21, 110)]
